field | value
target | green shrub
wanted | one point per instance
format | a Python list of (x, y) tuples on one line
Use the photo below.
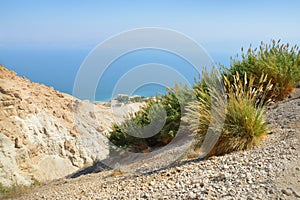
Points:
[(134, 99), (168, 108), (279, 61), (122, 98)]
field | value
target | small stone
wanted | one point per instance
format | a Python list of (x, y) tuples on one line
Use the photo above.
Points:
[(287, 191), (271, 191), (178, 169), (221, 177), (248, 175), (152, 183), (195, 180), (145, 196), (18, 143), (226, 167), (192, 195)]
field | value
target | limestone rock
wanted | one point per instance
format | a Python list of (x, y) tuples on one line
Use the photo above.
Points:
[(46, 134), (39, 136)]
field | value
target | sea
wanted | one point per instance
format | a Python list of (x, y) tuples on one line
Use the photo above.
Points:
[(59, 67)]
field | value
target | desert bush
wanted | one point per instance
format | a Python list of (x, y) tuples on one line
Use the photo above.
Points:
[(134, 99), (279, 61), (122, 98), (243, 125), (165, 110)]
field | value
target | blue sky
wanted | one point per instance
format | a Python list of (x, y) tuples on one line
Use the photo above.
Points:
[(47, 41), (217, 25)]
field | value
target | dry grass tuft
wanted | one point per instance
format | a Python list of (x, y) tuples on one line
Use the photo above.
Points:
[(244, 125)]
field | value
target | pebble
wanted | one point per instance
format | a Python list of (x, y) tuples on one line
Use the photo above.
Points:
[(287, 191), (152, 183), (192, 195)]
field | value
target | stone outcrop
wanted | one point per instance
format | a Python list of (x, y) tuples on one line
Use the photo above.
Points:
[(46, 134)]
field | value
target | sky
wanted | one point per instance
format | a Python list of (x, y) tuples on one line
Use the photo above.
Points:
[(215, 24), (221, 27)]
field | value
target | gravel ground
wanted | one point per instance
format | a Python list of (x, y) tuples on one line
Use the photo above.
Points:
[(269, 171)]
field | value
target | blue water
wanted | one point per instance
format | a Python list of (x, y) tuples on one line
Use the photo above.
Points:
[(58, 68)]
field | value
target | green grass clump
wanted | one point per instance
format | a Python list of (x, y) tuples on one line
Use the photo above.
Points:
[(279, 61), (243, 126)]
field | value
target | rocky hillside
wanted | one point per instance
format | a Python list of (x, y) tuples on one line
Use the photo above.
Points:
[(46, 134), (269, 171)]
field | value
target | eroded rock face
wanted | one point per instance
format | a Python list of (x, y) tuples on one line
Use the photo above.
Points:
[(42, 136)]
